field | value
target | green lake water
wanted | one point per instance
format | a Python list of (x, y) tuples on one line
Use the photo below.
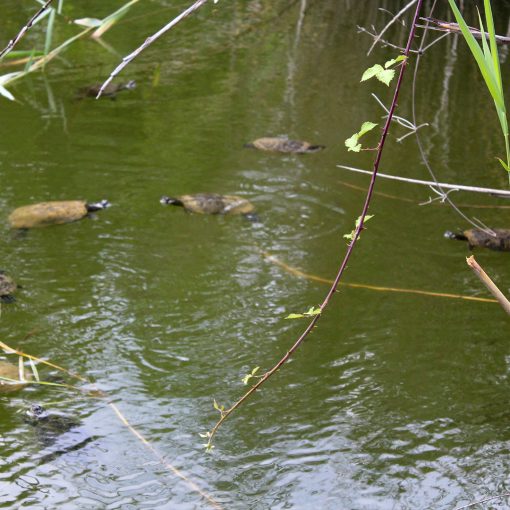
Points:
[(396, 401)]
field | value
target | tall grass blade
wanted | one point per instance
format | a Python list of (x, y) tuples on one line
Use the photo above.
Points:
[(491, 83), (49, 31), (489, 19)]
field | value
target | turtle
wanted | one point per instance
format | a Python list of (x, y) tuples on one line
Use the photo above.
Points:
[(110, 90), (270, 144), (7, 287), (53, 213), (478, 237), (12, 372), (213, 203), (49, 425)]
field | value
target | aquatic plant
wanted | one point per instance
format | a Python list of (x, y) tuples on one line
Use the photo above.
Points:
[(487, 58), (36, 59)]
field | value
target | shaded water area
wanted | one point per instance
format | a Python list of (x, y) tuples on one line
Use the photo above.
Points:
[(396, 400)]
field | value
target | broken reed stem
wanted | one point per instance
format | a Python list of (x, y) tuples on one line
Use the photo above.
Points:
[(226, 413), (491, 286), (24, 30), (127, 59)]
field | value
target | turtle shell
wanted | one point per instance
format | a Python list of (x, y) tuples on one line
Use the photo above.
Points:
[(48, 213), (500, 242), (284, 145), (212, 203), (7, 284), (10, 371)]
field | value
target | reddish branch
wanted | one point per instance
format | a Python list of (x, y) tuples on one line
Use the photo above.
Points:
[(226, 413)]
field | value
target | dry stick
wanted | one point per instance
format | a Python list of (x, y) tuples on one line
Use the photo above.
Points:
[(127, 59), (24, 30), (491, 286), (343, 265), (490, 191), (411, 201), (297, 272), (162, 460)]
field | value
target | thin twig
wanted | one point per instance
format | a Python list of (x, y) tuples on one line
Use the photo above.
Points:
[(483, 501), (127, 59), (395, 18), (360, 222), (491, 286), (24, 30), (451, 27), (384, 42), (475, 189)]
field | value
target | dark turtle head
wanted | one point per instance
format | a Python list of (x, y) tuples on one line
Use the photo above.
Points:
[(36, 412), (452, 235), (97, 206), (315, 148), (169, 201)]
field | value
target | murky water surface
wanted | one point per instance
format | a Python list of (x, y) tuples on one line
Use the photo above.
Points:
[(397, 400)]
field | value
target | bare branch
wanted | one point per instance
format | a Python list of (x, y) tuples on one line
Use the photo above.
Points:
[(126, 60), (491, 191), (395, 18), (24, 30)]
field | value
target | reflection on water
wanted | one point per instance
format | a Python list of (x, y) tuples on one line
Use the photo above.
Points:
[(395, 401)]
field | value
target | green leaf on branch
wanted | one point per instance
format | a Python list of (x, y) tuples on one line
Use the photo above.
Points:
[(394, 61), (352, 142), (247, 377), (371, 72), (310, 313), (219, 408), (383, 74), (350, 237), (386, 76)]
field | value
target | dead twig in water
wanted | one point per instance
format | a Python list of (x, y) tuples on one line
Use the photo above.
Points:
[(301, 274), (491, 286), (129, 58), (225, 413), (24, 30)]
